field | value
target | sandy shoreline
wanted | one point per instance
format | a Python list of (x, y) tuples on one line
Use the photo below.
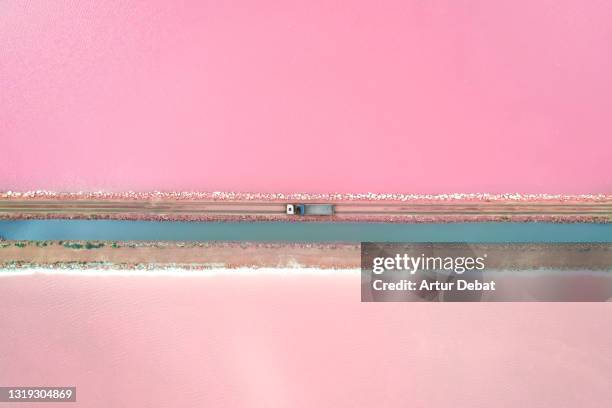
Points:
[(248, 207), (187, 255), (206, 255)]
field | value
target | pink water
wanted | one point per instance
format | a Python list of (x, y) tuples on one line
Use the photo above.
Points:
[(317, 96), (307, 341)]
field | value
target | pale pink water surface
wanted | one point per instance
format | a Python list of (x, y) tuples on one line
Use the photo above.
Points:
[(294, 341), (316, 96)]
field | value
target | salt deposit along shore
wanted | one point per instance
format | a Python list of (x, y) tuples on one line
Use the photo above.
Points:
[(369, 207), (233, 255)]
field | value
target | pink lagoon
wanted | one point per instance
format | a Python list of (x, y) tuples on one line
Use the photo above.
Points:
[(293, 339), (412, 97)]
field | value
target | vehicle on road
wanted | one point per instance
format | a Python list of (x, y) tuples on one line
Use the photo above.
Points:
[(310, 209)]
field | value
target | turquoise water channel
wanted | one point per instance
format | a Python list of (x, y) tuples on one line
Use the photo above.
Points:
[(112, 230)]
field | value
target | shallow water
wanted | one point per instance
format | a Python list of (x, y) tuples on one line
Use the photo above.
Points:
[(294, 341), (385, 97), (302, 232)]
